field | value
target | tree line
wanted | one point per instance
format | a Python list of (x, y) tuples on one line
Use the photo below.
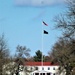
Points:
[(22, 55), (63, 50)]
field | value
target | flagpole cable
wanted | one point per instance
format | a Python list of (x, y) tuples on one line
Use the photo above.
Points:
[(42, 45)]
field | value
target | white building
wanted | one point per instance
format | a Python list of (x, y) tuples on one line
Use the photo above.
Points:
[(39, 68), (35, 68)]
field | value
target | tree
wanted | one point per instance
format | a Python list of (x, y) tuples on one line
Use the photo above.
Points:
[(22, 53), (66, 22), (63, 53), (4, 53), (38, 57)]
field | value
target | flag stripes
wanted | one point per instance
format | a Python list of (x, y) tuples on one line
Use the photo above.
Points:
[(45, 23)]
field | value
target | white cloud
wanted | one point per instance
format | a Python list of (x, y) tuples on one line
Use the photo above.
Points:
[(37, 2)]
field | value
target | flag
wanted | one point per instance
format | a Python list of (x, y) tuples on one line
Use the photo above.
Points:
[(45, 23), (45, 32)]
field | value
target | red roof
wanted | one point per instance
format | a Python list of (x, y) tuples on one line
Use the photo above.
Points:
[(39, 64)]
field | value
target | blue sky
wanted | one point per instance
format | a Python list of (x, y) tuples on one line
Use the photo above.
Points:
[(21, 23)]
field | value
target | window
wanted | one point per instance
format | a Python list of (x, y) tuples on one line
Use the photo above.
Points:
[(36, 73), (48, 68), (42, 68), (48, 74), (36, 68), (42, 73), (54, 74), (53, 68)]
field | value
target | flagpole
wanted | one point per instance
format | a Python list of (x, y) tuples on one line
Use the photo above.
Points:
[(42, 45), (43, 32)]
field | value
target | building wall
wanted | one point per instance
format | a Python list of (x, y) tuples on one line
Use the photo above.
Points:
[(30, 70)]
